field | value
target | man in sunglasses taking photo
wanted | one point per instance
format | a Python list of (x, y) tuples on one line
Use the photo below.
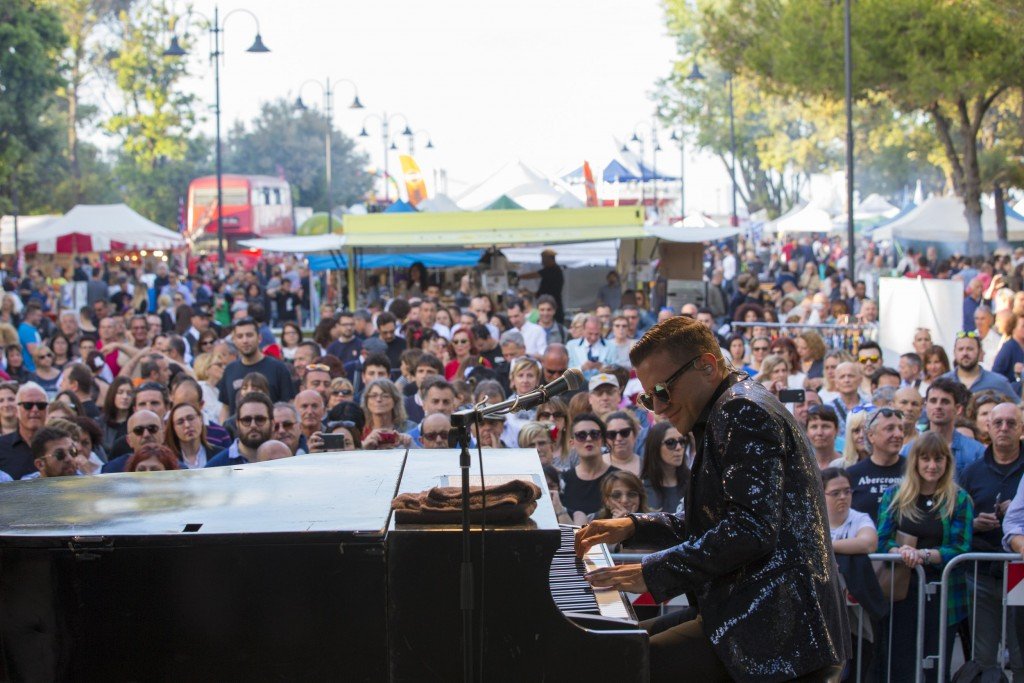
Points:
[(753, 551)]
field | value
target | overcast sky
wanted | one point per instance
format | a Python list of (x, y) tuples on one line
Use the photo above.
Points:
[(550, 83)]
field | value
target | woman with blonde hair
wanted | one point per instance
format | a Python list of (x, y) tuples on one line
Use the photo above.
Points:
[(555, 413), (927, 520), (209, 369), (855, 441), (340, 390), (774, 372), (537, 435), (386, 422)]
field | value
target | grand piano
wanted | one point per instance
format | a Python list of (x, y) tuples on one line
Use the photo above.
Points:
[(294, 569)]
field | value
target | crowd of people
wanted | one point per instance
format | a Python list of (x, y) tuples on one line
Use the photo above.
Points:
[(920, 458)]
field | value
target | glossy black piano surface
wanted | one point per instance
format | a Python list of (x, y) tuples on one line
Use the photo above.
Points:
[(287, 570)]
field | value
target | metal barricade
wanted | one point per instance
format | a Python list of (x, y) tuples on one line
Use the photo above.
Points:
[(924, 590), (947, 573)]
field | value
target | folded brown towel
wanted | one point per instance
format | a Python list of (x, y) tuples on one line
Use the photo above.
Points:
[(508, 503)]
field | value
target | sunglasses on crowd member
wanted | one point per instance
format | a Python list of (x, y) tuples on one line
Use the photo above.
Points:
[(259, 420), (760, 348), (284, 424), (142, 429), (549, 415), (869, 359), (587, 435), (967, 334), (29, 405), (613, 434), (619, 495), (459, 341), (318, 367), (435, 436), (60, 455), (674, 443), (863, 408), (663, 390), (884, 412), (341, 392)]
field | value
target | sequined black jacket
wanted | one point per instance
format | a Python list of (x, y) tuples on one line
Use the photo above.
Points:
[(754, 552)]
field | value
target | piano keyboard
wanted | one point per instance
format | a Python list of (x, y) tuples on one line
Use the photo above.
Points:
[(570, 590)]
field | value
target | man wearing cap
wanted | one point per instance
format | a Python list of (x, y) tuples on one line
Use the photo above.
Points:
[(604, 395), (552, 280), (200, 320)]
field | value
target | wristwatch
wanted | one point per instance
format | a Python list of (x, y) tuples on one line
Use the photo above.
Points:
[(927, 556)]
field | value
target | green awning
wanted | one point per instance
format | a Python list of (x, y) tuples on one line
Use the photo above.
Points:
[(493, 228)]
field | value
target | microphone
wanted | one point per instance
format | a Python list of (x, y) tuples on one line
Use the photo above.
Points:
[(571, 380)]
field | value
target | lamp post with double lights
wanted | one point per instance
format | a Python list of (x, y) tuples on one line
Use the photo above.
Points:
[(680, 137), (175, 50), (328, 93), (412, 140), (385, 123), (641, 141), (696, 75)]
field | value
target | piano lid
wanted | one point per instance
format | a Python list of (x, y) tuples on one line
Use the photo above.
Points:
[(425, 469), (329, 492)]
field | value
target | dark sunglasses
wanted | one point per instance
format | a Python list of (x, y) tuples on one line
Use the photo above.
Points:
[(60, 455), (884, 412), (662, 391), (673, 443), (549, 415), (613, 434), (142, 429), (341, 392), (587, 435), (435, 436), (257, 419), (29, 405), (284, 424), (758, 348)]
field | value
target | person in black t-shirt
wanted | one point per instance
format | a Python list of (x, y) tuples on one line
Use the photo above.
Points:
[(287, 302), (581, 485), (552, 281), (870, 478), (246, 337)]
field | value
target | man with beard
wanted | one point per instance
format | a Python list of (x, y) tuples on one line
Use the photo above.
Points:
[(246, 336), (255, 422), (54, 453), (967, 357)]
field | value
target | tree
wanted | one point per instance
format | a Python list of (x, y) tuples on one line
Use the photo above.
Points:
[(289, 143), (950, 62), (87, 24), (30, 43)]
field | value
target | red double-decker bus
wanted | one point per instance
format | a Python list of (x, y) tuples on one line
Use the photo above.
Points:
[(254, 206)]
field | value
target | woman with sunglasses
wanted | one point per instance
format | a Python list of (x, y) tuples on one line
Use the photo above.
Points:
[(786, 347), (622, 494), (581, 485), (930, 508), (186, 436), (666, 475), (45, 374), (621, 430), (466, 354), (759, 349), (341, 390), (554, 414)]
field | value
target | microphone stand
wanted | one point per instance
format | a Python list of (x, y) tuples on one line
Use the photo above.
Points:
[(461, 421)]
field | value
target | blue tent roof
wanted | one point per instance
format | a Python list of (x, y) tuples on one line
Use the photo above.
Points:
[(615, 172), (434, 259), (573, 175), (648, 174), (400, 206)]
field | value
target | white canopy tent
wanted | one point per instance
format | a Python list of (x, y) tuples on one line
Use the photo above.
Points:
[(690, 235), (695, 220), (526, 186), (574, 255), (27, 225), (439, 202), (874, 206), (808, 219), (941, 219), (100, 227)]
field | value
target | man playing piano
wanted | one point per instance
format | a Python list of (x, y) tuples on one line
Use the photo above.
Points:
[(752, 552)]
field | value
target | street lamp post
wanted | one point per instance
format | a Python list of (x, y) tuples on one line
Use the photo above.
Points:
[(329, 117), (412, 140), (175, 50), (680, 138), (848, 54), (696, 75), (641, 141), (385, 122)]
